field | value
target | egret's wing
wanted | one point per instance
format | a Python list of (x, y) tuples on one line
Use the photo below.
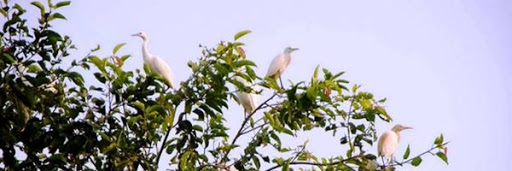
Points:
[(277, 63), (253, 100), (248, 100), (238, 97), (245, 99), (254, 97), (387, 144), (162, 68)]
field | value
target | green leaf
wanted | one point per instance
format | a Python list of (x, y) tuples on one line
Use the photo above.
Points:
[(288, 131), (76, 78), (125, 57), (138, 105), (243, 63), (276, 138), (256, 161), (407, 152), (285, 166), (312, 92), (56, 16), (98, 62), (170, 118), (19, 8), (4, 13), (242, 33), (343, 140), (439, 140), (40, 6), (354, 88), (63, 3), (315, 74), (383, 112), (96, 48), (366, 104), (111, 147), (34, 68), (442, 156), (188, 107), (197, 128), (416, 161), (117, 47), (8, 57)]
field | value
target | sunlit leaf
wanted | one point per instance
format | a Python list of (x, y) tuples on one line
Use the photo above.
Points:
[(241, 34), (3, 12), (63, 3), (439, 140), (117, 47), (56, 16), (40, 6), (34, 68)]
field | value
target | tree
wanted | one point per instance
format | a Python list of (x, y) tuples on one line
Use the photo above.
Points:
[(128, 119)]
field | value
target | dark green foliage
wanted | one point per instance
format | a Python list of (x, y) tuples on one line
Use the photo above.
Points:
[(125, 120)]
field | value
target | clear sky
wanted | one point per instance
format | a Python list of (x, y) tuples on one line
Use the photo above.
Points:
[(444, 65)]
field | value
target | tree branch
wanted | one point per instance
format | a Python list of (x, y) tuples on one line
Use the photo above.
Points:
[(412, 158), (239, 133), (317, 164), (162, 147), (256, 127), (348, 125)]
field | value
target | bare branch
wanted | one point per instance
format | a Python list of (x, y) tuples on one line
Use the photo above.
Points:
[(247, 118)]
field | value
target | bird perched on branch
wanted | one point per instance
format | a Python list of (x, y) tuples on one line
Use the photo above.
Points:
[(247, 100), (388, 141), (156, 63), (280, 63)]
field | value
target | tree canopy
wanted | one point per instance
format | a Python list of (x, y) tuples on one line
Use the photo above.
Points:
[(125, 119)]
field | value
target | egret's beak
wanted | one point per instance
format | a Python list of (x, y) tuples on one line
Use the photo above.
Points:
[(294, 49), (137, 34), (406, 127)]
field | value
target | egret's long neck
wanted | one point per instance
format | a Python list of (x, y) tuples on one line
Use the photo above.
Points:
[(145, 51), (397, 135)]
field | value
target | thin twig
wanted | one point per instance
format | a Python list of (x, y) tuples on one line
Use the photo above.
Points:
[(412, 158), (162, 147), (299, 152), (239, 133), (253, 139), (317, 164), (256, 127), (348, 124)]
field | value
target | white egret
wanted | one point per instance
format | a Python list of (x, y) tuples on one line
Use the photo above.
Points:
[(247, 100), (156, 63), (280, 63), (388, 141)]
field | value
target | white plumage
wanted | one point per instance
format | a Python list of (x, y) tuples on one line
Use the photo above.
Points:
[(388, 141), (156, 63), (280, 63), (387, 144), (247, 100)]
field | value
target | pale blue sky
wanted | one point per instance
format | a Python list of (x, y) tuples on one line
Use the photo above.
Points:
[(444, 65)]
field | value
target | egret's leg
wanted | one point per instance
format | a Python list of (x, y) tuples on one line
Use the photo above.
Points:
[(281, 81), (383, 162)]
